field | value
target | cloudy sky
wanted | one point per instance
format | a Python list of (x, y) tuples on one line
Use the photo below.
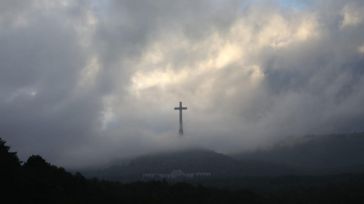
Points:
[(85, 82)]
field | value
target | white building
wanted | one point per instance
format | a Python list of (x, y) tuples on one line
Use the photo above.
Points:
[(175, 174)]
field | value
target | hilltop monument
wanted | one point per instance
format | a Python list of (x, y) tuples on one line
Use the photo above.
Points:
[(180, 108)]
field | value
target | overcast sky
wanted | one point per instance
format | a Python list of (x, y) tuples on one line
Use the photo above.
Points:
[(85, 82)]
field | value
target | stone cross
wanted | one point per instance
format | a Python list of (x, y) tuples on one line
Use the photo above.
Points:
[(180, 108)]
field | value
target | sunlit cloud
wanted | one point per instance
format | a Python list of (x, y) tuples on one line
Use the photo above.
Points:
[(361, 49), (351, 15), (89, 73)]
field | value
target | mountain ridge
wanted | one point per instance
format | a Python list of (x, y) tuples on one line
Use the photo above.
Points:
[(325, 154)]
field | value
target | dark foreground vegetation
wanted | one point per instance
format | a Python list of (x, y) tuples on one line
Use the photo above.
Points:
[(37, 181)]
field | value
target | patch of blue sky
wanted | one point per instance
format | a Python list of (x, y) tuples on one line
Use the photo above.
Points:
[(296, 4), (100, 8), (291, 4)]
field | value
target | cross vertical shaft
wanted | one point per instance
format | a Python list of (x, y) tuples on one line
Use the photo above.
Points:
[(180, 108)]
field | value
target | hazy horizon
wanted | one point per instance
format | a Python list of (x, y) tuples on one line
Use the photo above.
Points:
[(86, 82)]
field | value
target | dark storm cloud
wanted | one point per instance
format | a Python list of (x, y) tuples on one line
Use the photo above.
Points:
[(40, 63), (85, 82)]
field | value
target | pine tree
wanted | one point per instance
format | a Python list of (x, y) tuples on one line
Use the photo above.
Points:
[(9, 161), (10, 168)]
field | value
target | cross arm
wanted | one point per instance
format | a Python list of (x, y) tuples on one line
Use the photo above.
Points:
[(180, 108)]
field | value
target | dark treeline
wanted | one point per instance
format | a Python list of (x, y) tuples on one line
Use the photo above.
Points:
[(37, 181)]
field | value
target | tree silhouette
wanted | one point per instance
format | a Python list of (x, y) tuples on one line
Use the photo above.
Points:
[(8, 160), (9, 170)]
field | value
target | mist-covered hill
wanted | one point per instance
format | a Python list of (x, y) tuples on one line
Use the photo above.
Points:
[(190, 161), (327, 154)]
